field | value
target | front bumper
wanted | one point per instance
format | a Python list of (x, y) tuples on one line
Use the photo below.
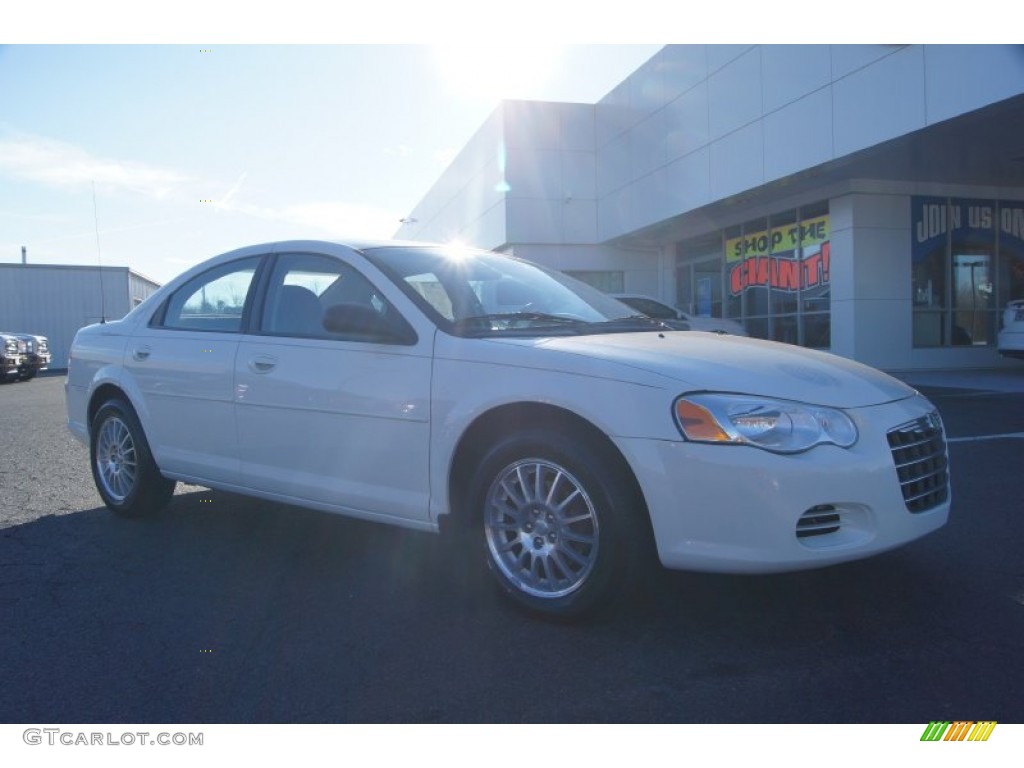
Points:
[(10, 364), (739, 509), (35, 362), (1011, 341)]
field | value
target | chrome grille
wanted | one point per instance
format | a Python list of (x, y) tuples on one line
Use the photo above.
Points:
[(919, 453)]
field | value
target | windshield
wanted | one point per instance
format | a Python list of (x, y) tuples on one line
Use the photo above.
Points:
[(478, 293)]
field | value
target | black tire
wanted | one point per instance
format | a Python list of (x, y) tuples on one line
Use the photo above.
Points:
[(560, 525), (27, 375), (123, 469)]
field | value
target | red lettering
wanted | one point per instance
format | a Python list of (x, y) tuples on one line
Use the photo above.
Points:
[(736, 284), (826, 261), (788, 275), (811, 266), (762, 271)]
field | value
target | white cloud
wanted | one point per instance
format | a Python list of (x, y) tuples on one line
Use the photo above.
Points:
[(58, 164)]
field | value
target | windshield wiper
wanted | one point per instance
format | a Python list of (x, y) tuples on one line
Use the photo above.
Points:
[(632, 323), (510, 321)]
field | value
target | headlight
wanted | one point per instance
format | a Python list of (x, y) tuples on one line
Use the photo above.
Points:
[(780, 426)]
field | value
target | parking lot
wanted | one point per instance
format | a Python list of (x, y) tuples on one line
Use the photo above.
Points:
[(226, 609)]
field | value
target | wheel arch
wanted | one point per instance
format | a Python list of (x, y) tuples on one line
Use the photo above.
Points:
[(102, 394), (501, 420)]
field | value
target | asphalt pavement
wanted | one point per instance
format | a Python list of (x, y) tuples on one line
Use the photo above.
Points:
[(223, 609)]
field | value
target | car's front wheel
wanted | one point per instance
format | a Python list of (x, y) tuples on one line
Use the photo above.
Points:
[(561, 526), (123, 469)]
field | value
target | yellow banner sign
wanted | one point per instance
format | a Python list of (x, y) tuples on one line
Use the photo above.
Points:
[(788, 237)]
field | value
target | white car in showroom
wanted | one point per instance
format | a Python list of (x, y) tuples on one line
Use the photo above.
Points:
[(564, 439), (1011, 336)]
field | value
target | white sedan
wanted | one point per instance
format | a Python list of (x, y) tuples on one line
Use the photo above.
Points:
[(558, 433), (1011, 337)]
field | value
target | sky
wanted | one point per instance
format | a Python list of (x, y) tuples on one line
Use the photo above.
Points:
[(130, 139), (159, 156)]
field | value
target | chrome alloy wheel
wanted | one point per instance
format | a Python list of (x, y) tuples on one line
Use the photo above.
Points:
[(541, 527), (116, 460)]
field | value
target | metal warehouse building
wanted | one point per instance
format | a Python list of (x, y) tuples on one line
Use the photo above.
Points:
[(56, 300), (864, 199)]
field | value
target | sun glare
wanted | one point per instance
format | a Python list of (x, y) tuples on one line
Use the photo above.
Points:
[(497, 72)]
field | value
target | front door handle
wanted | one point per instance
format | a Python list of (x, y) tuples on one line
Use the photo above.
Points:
[(262, 363), (141, 353)]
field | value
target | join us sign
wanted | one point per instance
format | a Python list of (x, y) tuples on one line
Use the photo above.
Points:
[(968, 221), (771, 257)]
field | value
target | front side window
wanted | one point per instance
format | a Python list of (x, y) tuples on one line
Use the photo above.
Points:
[(212, 301), (320, 297)]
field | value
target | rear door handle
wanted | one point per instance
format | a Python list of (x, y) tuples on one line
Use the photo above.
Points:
[(262, 363), (141, 353)]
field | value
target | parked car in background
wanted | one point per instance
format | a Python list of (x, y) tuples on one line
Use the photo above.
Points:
[(12, 356), (35, 355), (1011, 337), (677, 318), (566, 443)]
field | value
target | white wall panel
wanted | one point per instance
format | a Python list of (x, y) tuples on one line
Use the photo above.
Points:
[(737, 161), (647, 145), (577, 127), (535, 221), (651, 200), (689, 180), (799, 135), (961, 78), (532, 124), (686, 122), (535, 173), (790, 72), (684, 67), (580, 221), (613, 171), (721, 55), (849, 58), (613, 114), (879, 102), (579, 175), (734, 94)]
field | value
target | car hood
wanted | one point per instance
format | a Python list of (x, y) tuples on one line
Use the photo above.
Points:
[(713, 362)]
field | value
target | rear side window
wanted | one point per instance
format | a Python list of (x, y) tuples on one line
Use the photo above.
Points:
[(212, 301)]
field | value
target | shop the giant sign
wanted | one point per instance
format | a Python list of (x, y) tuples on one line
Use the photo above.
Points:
[(771, 258)]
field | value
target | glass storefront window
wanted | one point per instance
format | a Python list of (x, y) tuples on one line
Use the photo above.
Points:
[(771, 274), (962, 272)]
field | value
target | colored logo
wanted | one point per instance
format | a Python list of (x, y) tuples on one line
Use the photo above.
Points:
[(958, 731)]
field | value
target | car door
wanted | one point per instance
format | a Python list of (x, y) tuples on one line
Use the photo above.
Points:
[(332, 394), (183, 365)]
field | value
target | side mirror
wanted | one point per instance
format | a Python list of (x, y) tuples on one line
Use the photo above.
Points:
[(359, 322)]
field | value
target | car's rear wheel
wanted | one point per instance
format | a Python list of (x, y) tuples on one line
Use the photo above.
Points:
[(123, 469), (560, 523)]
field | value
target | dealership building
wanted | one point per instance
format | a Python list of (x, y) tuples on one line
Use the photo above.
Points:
[(868, 200)]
